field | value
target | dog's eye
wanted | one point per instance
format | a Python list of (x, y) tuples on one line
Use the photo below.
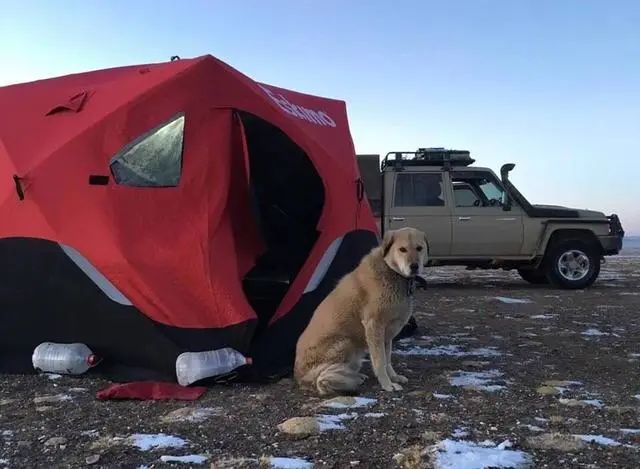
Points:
[(419, 248), (403, 249)]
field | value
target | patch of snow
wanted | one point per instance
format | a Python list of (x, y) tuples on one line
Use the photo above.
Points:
[(450, 350), (334, 422), (511, 301), (593, 332), (540, 419), (374, 415), (542, 316), (637, 396), (290, 463), (477, 379), (599, 439), (634, 355), (443, 396), (51, 398), (189, 459), (78, 390), (357, 402), (591, 402), (7, 433), (53, 376), (460, 432), (450, 454), (145, 441), (4, 461), (630, 431), (89, 433), (533, 428)]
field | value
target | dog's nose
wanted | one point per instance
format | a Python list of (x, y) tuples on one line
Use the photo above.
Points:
[(414, 267)]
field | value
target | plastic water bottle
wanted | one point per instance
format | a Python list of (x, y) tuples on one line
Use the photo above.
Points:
[(194, 366), (71, 359)]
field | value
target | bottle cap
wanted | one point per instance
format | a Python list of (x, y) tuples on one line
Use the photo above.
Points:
[(92, 359), (249, 360)]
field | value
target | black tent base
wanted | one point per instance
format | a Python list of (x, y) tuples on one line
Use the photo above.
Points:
[(46, 297)]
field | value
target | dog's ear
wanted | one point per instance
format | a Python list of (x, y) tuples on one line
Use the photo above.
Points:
[(387, 242)]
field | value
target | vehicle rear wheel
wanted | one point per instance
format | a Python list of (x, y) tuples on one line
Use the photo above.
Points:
[(572, 264), (533, 276)]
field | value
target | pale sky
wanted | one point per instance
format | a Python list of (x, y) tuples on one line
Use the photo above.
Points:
[(551, 86)]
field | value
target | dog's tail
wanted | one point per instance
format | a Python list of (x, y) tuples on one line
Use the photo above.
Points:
[(338, 378)]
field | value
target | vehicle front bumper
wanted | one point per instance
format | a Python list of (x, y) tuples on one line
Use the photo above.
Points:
[(612, 243)]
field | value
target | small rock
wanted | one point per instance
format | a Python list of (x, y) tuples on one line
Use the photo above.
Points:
[(410, 458), (56, 441), (94, 458), (561, 383), (300, 427), (556, 419), (548, 391), (439, 417), (475, 363), (556, 441), (430, 436), (191, 414)]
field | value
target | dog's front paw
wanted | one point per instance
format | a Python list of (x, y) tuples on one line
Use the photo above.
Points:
[(399, 379), (391, 387)]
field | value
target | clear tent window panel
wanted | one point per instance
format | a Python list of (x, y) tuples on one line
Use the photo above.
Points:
[(154, 159)]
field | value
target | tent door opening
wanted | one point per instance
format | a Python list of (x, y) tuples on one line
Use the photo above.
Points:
[(287, 196)]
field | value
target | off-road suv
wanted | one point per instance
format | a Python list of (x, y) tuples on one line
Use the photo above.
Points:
[(476, 219)]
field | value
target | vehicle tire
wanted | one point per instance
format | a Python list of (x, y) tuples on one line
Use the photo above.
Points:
[(572, 263), (533, 276)]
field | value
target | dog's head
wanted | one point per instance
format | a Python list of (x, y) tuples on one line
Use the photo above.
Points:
[(405, 251)]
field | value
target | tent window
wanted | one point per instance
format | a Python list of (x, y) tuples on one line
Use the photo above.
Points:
[(154, 159)]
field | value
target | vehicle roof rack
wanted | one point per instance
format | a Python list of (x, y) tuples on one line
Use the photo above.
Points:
[(428, 157)]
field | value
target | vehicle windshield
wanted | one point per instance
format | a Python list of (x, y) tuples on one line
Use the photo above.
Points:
[(492, 191)]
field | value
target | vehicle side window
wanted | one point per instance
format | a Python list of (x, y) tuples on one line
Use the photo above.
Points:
[(418, 190), (154, 159), (486, 190), (465, 196)]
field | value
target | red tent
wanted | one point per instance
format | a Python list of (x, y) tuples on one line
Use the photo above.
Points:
[(155, 209)]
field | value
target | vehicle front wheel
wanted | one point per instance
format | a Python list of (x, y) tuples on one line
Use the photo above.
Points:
[(572, 264), (533, 276)]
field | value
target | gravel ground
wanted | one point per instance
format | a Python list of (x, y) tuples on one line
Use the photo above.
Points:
[(500, 372)]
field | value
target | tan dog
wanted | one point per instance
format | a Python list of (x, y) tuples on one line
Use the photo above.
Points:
[(367, 309)]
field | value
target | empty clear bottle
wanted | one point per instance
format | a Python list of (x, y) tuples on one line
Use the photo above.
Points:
[(194, 366), (70, 359)]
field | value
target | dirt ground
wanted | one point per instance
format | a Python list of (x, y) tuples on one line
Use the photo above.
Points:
[(499, 371)]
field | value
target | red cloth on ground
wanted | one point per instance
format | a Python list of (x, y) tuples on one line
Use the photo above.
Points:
[(151, 390)]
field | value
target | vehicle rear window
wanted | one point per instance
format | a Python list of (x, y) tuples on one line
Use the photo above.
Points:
[(419, 190)]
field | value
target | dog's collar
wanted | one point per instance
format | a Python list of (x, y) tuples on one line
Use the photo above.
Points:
[(410, 282), (411, 286)]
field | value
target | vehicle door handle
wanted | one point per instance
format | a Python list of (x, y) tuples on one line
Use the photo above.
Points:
[(397, 218), (464, 218)]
